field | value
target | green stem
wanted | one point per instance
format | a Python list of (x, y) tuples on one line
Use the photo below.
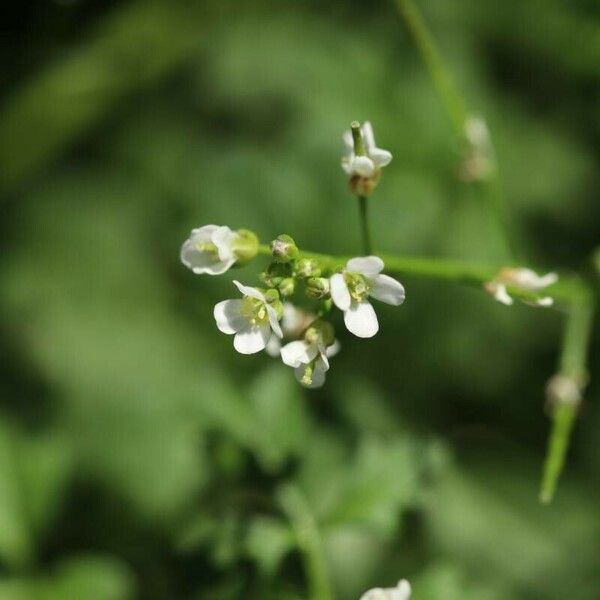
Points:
[(572, 365), (473, 275), (440, 76), (455, 106), (308, 539), (364, 224)]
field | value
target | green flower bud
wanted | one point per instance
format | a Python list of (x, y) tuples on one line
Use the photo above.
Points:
[(320, 331), (317, 287), (284, 249), (245, 246), (271, 295), (307, 267), (275, 274), (287, 286)]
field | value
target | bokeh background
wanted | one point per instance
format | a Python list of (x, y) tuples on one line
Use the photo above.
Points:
[(140, 456)]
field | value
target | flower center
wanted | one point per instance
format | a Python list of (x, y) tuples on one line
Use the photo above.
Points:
[(307, 376), (255, 311), (207, 247), (358, 286)]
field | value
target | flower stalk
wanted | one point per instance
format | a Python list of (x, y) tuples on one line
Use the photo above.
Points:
[(363, 211), (564, 402)]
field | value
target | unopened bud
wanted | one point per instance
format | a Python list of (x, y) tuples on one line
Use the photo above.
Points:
[(275, 274), (284, 249), (287, 286), (307, 267), (317, 287)]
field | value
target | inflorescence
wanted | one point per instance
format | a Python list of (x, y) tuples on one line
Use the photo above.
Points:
[(289, 314)]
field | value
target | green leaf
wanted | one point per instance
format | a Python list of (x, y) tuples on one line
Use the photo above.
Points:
[(267, 542)]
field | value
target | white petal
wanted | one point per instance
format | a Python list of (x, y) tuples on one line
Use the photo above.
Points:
[(363, 165), (502, 295), (223, 239), (273, 321), (366, 265), (404, 590), (249, 291), (387, 289), (546, 280), (332, 350), (273, 347), (546, 301), (193, 259), (348, 141), (339, 291), (361, 320), (294, 319), (347, 164), (252, 339), (318, 376), (323, 360), (368, 137), (202, 234), (375, 594), (298, 353), (220, 267), (380, 157), (229, 317)]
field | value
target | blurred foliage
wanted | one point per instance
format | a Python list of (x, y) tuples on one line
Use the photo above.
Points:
[(139, 457)]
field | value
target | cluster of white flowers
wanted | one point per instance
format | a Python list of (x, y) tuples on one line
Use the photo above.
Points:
[(401, 592), (520, 279), (266, 319), (260, 320)]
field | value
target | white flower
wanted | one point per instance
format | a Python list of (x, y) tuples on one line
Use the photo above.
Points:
[(309, 356), (293, 323), (401, 592), (211, 249), (351, 289), (522, 279), (374, 159), (251, 319)]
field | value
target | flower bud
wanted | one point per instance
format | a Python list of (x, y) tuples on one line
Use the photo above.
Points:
[(307, 267), (275, 274), (284, 249), (287, 286), (317, 287), (272, 297), (245, 245)]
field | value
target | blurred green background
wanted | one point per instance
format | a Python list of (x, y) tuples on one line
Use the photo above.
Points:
[(140, 456)]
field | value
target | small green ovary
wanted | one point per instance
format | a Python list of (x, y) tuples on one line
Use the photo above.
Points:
[(358, 286), (207, 247), (255, 311)]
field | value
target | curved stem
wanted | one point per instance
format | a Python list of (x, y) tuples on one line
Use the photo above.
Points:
[(364, 224)]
